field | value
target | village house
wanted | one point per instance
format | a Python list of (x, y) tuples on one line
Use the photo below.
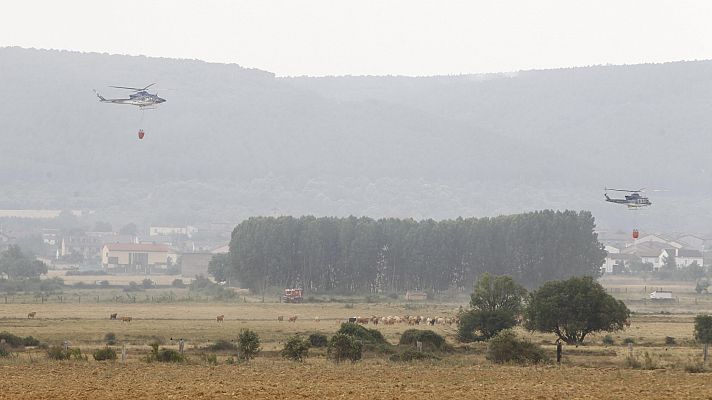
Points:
[(683, 257), (136, 257)]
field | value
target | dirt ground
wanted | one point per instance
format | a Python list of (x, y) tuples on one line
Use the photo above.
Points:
[(596, 371), (319, 379)]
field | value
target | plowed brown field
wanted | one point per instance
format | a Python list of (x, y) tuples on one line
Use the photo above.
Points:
[(319, 379)]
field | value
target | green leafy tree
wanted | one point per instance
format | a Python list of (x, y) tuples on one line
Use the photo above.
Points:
[(703, 328), (248, 344), (475, 325), (17, 265), (220, 267), (128, 229), (702, 285), (296, 348), (496, 302), (344, 347), (497, 293), (574, 308)]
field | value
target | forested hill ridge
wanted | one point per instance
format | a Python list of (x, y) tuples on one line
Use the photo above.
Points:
[(357, 255), (231, 142)]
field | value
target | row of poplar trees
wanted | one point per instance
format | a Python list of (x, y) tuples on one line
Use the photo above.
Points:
[(358, 255)]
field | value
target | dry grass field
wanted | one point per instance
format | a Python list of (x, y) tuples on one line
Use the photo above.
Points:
[(591, 371)]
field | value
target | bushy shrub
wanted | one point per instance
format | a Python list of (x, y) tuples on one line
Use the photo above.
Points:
[(506, 347), (222, 345), (629, 340), (318, 340), (295, 349), (164, 355), (4, 350), (110, 338), (106, 353), (169, 355), (18, 341), (178, 283), (344, 347), (248, 344), (608, 340), (477, 325), (207, 287), (429, 338), (372, 336), (30, 341), (210, 359), (133, 287), (412, 355), (695, 367), (58, 353), (670, 341)]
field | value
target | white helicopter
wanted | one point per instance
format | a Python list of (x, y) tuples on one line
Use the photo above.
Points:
[(140, 98)]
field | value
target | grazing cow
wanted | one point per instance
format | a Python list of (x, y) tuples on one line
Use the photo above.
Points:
[(374, 319), (32, 314), (220, 318), (316, 319), (280, 318), (352, 320), (293, 318), (362, 320), (431, 321), (112, 316), (125, 318)]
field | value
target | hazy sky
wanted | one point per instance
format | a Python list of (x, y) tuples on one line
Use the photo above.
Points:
[(360, 37)]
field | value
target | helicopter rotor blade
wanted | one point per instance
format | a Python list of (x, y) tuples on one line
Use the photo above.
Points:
[(127, 88), (133, 88), (625, 190)]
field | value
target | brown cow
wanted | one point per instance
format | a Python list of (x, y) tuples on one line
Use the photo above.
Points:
[(32, 314), (220, 318), (293, 318), (280, 318), (125, 318), (362, 320), (112, 316)]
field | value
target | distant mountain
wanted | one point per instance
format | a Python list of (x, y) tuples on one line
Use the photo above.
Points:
[(233, 142)]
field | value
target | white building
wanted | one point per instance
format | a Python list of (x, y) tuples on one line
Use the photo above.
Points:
[(683, 257), (171, 230)]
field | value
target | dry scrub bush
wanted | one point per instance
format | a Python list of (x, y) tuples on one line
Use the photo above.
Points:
[(104, 354), (506, 347)]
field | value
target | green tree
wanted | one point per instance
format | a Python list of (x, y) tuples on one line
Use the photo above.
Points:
[(248, 344), (574, 308), (220, 267), (344, 347), (702, 285), (497, 293), (296, 348), (15, 264), (475, 325), (703, 328), (128, 229), (496, 302)]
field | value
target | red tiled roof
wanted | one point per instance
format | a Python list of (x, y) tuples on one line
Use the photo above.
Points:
[(147, 247)]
